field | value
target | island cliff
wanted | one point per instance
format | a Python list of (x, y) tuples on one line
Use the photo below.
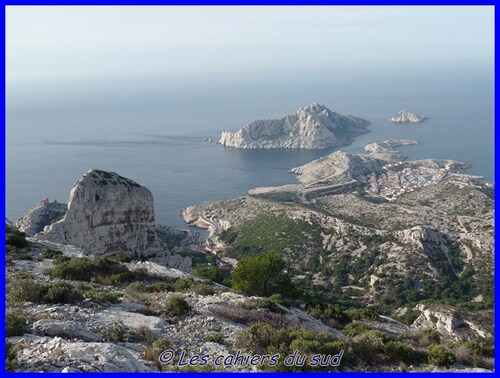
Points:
[(312, 127)]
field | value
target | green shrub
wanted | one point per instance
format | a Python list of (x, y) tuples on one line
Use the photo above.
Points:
[(98, 269), (428, 337), (264, 338), (16, 323), (26, 290), (116, 332), (213, 273), (120, 257), (62, 293), (177, 306), (10, 357), (398, 351), (51, 254), (369, 346), (102, 295), (354, 329), (329, 314), (187, 285), (15, 238), (215, 338), (362, 313), (153, 350), (440, 356)]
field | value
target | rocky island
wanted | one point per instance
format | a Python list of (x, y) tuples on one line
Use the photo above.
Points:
[(312, 127), (404, 116)]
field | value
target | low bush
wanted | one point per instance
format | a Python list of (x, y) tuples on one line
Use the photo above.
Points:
[(428, 337), (266, 339), (116, 332), (102, 295), (361, 313), (153, 350), (10, 356), (99, 269), (16, 323), (398, 351), (188, 285), (119, 257), (329, 314), (354, 329), (215, 338), (177, 306), (213, 273), (440, 356), (61, 293), (51, 254), (15, 238), (369, 346), (25, 290)]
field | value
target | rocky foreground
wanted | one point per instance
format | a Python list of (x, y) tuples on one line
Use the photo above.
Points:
[(312, 127)]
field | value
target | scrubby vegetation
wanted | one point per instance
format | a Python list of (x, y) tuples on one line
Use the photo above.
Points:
[(98, 269), (266, 339), (15, 243), (177, 306), (16, 323), (213, 273), (15, 238)]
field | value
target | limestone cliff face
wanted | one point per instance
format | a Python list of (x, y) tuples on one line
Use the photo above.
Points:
[(44, 213), (312, 127), (107, 213)]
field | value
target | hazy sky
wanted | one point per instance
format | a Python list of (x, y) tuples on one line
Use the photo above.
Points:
[(55, 41)]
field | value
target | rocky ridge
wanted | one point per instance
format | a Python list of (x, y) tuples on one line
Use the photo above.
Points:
[(44, 213), (312, 127)]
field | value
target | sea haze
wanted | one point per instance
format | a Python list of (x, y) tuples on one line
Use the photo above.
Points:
[(152, 128)]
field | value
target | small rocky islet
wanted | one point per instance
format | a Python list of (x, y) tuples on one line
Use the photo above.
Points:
[(393, 259)]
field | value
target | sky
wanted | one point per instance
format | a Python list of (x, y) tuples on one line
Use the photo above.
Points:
[(71, 41)]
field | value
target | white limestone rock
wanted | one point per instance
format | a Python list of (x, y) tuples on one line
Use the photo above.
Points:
[(64, 328), (404, 116), (446, 321), (107, 213), (44, 213), (312, 127)]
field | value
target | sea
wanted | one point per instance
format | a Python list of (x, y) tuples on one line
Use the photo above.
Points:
[(156, 128)]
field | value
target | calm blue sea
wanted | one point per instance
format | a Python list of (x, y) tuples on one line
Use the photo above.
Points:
[(152, 128)]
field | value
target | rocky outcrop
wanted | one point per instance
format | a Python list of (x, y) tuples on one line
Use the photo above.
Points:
[(404, 116), (64, 328), (107, 213), (449, 323), (43, 214), (312, 127)]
